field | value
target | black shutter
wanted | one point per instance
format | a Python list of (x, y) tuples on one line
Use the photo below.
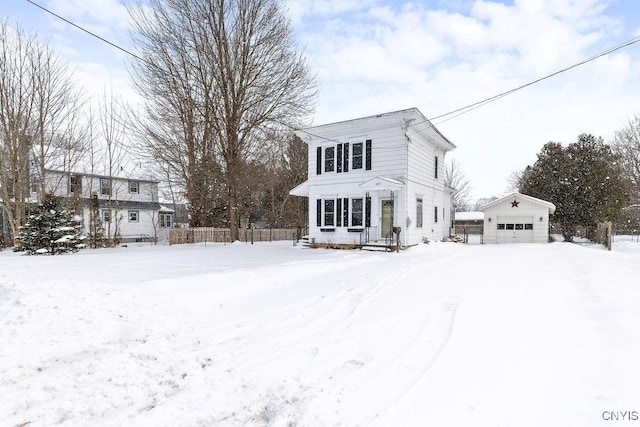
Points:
[(338, 210), (345, 212), (319, 161), (346, 157), (339, 159), (319, 213), (367, 212), (367, 158)]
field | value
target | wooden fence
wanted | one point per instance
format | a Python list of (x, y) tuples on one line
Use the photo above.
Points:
[(179, 236)]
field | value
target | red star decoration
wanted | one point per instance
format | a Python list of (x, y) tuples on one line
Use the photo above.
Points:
[(515, 203)]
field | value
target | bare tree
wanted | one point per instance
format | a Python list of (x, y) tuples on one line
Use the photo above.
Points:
[(218, 76), (626, 144), (114, 132), (455, 178), (16, 114), (39, 121)]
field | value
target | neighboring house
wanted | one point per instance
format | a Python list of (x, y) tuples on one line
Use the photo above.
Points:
[(128, 207), (371, 176), (517, 218)]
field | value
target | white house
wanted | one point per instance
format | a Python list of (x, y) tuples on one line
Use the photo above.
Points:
[(369, 175), (129, 207), (517, 218)]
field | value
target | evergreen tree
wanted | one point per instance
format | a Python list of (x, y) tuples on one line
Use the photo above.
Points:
[(584, 181), (50, 230)]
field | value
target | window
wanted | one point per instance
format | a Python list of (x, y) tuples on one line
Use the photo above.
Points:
[(436, 167), (435, 214), (329, 212), (419, 212), (356, 212), (528, 226), (134, 187), (519, 226), (367, 155), (75, 184), (500, 226), (105, 187), (134, 216), (329, 160), (509, 226), (106, 215), (356, 159), (166, 220)]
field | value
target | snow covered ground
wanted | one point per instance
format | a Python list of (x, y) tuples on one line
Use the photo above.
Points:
[(271, 335)]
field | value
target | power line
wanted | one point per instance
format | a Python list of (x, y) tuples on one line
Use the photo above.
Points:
[(87, 31), (453, 113)]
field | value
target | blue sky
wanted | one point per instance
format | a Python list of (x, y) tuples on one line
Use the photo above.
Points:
[(374, 56)]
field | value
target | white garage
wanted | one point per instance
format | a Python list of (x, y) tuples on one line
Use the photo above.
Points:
[(517, 218)]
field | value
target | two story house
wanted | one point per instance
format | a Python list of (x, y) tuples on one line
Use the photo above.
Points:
[(375, 179), (128, 207)]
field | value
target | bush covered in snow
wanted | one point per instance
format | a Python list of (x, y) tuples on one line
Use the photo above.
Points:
[(52, 229)]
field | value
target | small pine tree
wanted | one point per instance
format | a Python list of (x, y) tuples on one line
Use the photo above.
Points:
[(50, 230)]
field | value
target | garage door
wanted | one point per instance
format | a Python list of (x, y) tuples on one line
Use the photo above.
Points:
[(515, 229)]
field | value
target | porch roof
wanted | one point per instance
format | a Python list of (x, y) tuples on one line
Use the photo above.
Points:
[(382, 183), (301, 190)]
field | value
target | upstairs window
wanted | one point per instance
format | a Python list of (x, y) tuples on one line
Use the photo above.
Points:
[(436, 167), (134, 187), (329, 159), (75, 184), (105, 187), (356, 160)]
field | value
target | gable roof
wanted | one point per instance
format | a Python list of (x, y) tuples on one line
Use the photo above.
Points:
[(411, 117), (515, 194)]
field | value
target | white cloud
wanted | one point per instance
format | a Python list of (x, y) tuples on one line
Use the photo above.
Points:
[(388, 57)]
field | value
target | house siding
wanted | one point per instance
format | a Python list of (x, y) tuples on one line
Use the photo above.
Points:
[(145, 201), (404, 164)]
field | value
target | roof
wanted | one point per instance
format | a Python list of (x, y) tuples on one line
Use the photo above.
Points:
[(382, 183), (406, 112), (469, 216), (515, 194), (301, 190)]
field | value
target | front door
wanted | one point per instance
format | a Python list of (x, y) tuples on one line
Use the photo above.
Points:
[(387, 219)]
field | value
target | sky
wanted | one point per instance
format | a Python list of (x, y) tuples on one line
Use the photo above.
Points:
[(377, 56)]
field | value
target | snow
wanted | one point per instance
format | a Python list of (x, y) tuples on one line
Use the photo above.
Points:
[(442, 334)]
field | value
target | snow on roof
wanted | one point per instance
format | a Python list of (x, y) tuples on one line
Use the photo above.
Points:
[(469, 216)]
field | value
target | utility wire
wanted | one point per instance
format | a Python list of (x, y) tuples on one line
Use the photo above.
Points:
[(453, 113)]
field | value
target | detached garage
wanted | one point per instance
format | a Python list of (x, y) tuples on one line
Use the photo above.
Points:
[(517, 218)]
